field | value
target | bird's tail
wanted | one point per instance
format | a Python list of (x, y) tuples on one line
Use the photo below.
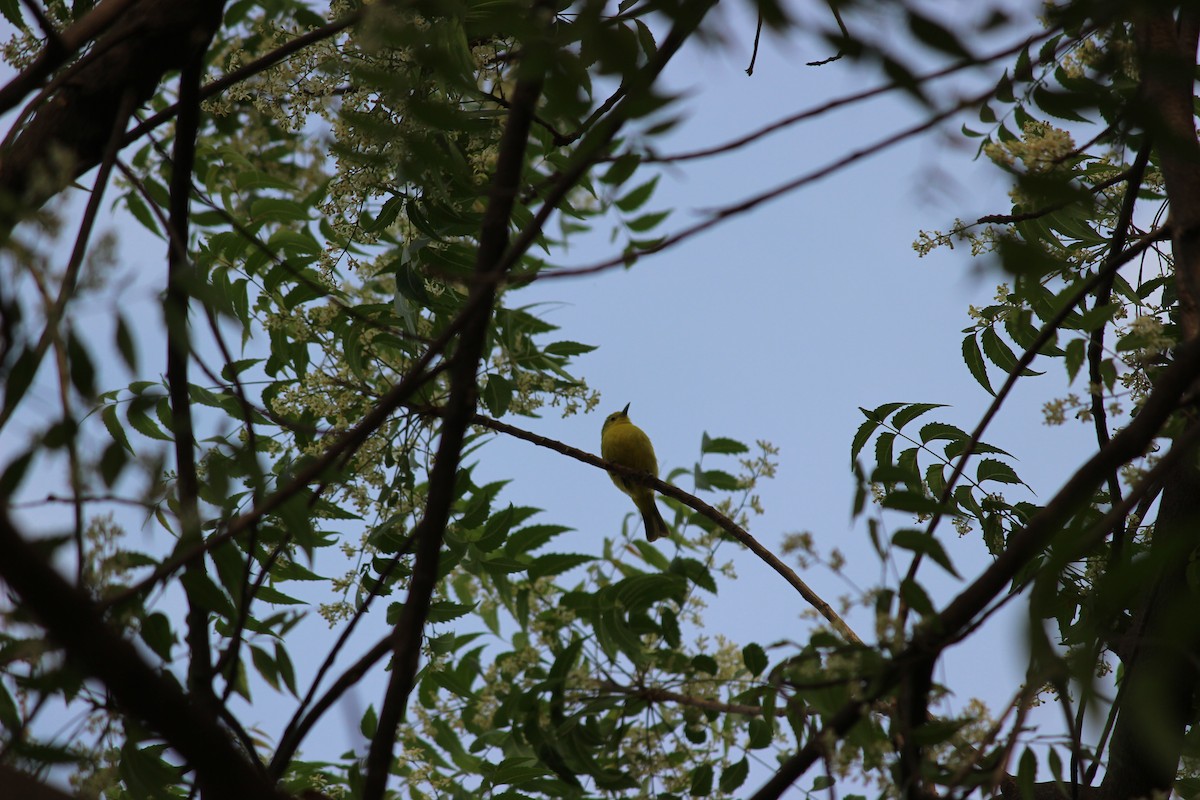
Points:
[(656, 526)]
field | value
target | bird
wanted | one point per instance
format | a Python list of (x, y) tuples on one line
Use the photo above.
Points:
[(626, 444)]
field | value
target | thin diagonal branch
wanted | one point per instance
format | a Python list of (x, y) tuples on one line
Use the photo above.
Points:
[(87, 223), (689, 500), (717, 216)]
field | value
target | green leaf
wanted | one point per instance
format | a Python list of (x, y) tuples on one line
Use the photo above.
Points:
[(974, 361), (157, 634), (556, 563), (695, 571), (990, 469), (647, 222), (915, 596), (1000, 354), (755, 658), (636, 198), (265, 666), (518, 770), (18, 379), (277, 209), (934, 431), (568, 349), (1075, 354), (623, 167), (875, 418), (922, 543), (1097, 317), (1027, 774), (702, 780), (911, 412), (734, 775), (207, 595), (124, 342), (113, 424), (369, 723), (935, 36), (719, 480), (760, 733), (721, 445), (907, 500), (141, 422)]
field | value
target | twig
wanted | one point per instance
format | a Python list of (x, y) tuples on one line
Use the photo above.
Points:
[(720, 215), (256, 66), (1095, 351), (833, 105), (754, 53)]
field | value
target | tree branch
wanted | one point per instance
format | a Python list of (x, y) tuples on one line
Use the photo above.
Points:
[(135, 52), (493, 241), (689, 500), (59, 47), (1095, 351), (175, 308), (74, 621)]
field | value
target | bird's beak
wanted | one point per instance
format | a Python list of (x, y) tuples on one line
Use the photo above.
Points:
[(625, 410)]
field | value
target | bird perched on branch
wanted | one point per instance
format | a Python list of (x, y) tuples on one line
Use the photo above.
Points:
[(626, 444)]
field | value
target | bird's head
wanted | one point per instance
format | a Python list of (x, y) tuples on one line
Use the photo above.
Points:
[(617, 416)]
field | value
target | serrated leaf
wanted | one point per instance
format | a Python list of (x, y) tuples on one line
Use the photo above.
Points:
[(115, 430), (1000, 354), (973, 358), (990, 469), (734, 775), (911, 412), (556, 564), (934, 431), (141, 422)]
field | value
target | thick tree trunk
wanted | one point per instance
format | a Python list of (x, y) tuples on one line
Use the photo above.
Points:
[(67, 133), (1161, 666), (1162, 658)]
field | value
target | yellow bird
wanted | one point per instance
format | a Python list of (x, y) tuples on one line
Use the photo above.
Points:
[(626, 444)]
